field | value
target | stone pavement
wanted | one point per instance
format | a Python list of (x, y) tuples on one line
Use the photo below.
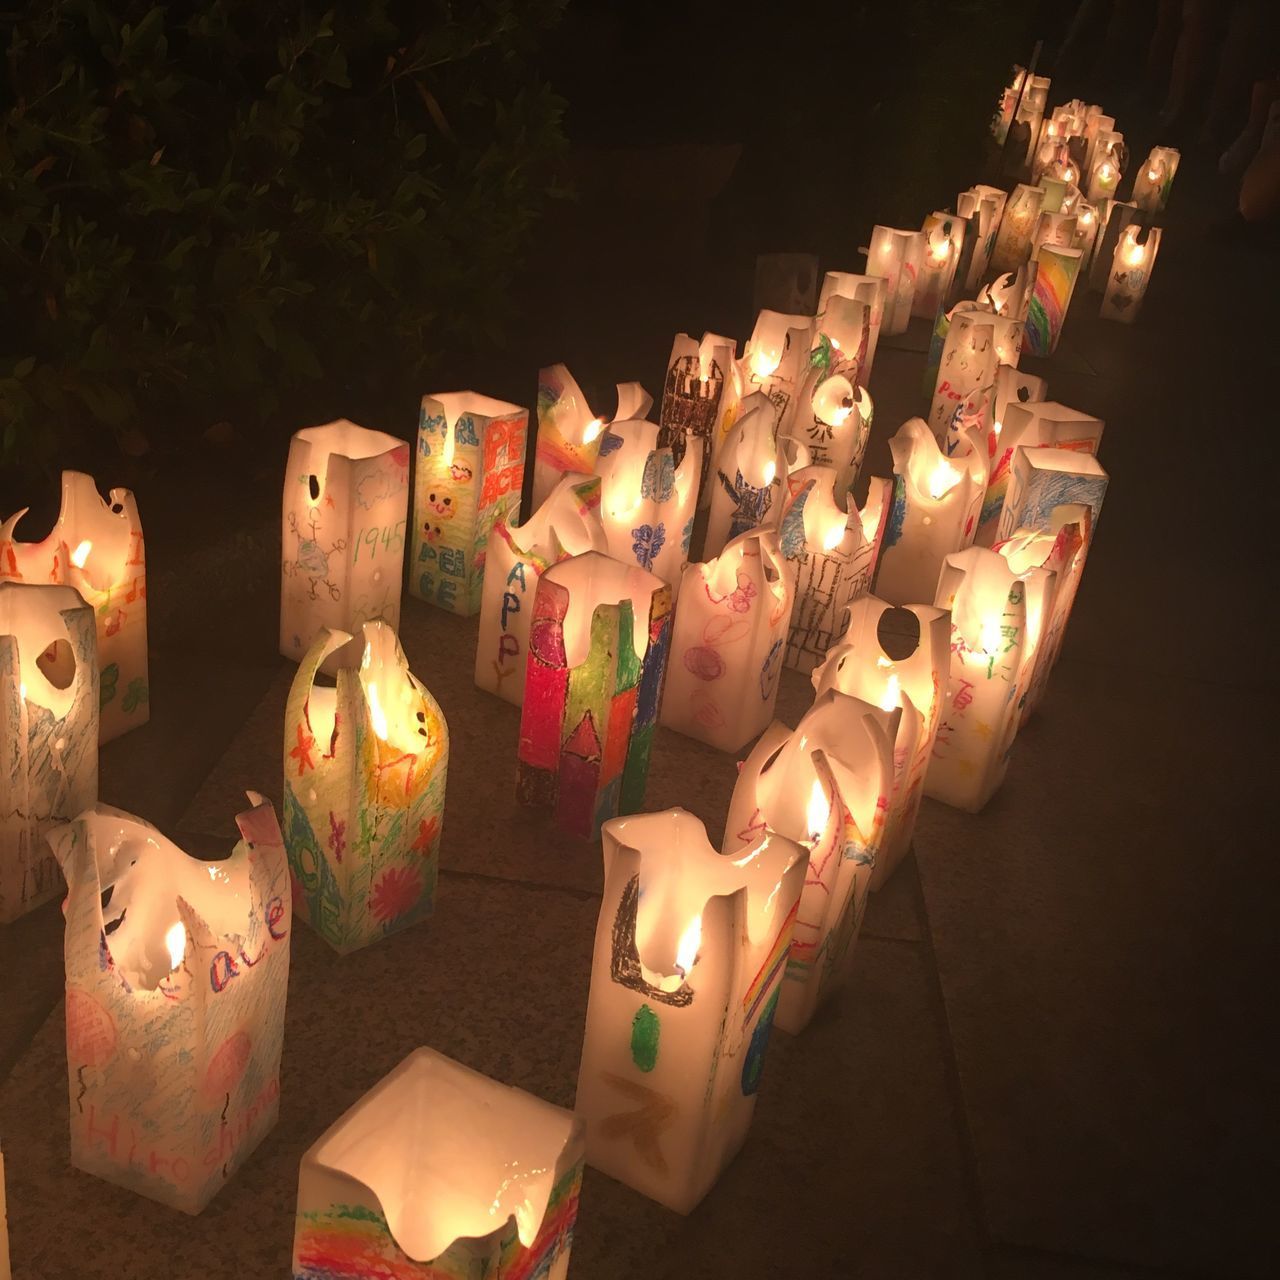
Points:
[(1051, 1063)]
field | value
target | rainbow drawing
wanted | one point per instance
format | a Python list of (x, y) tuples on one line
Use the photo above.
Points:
[(1054, 284)]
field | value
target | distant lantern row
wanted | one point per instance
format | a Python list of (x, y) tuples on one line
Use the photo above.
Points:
[(596, 623)]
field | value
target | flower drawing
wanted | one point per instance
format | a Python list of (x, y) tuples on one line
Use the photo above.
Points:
[(395, 893), (647, 542)]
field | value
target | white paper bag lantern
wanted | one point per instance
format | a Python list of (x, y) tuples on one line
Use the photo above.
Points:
[(1116, 217), (749, 477), (1104, 177), (469, 474), (49, 695), (825, 785), (936, 503), (860, 666), (569, 434), (96, 547), (1154, 181), (871, 290), (567, 524), (365, 765), (1041, 480), (1131, 267), (727, 643), (980, 714), (1012, 386), (775, 359), (693, 393), (1057, 270), (1050, 563), (647, 502), (977, 342), (440, 1173), (175, 1001), (1031, 424), (689, 953), (1007, 105), (833, 549), (896, 256), (1009, 294), (1013, 240), (346, 503), (985, 222), (944, 235)]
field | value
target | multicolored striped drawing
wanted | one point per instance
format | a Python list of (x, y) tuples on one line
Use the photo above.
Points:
[(598, 647)]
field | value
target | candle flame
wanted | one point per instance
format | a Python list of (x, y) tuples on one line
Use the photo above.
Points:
[(990, 638), (376, 713), (1134, 254), (81, 553), (997, 427), (939, 252), (833, 536), (764, 363), (818, 812), (1152, 175), (943, 478), (22, 690), (835, 344), (591, 430), (687, 947), (892, 693), (450, 445), (176, 940), (770, 471), (841, 415)]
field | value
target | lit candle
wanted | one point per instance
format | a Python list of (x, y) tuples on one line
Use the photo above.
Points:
[(693, 392), (569, 434), (1012, 386), (936, 503), (647, 503), (49, 694), (1155, 179), (439, 1171), (749, 477), (728, 641), (1041, 480), (825, 785), (1056, 272), (1009, 295), (689, 953), (1057, 229), (598, 646), (1131, 267), (896, 256), (1104, 178), (567, 524), (861, 666), (1095, 124), (976, 342), (990, 203), (1086, 232), (469, 474), (988, 611), (96, 546), (175, 1001), (364, 782), (871, 290), (1031, 425), (1013, 240), (346, 501), (832, 548)]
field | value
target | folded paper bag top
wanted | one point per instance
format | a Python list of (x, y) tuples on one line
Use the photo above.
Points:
[(451, 1159)]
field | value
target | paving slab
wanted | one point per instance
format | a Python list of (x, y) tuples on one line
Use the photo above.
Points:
[(1103, 966), (855, 1144)]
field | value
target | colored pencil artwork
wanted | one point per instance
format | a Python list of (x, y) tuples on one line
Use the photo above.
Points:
[(1041, 480), (1059, 267), (487, 1184), (469, 475), (96, 547), (598, 644), (690, 949), (567, 524), (49, 696), (345, 510), (833, 550), (826, 784), (365, 766), (175, 1001), (748, 479)]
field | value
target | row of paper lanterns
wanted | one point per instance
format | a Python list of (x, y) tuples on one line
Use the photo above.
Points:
[(593, 621)]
